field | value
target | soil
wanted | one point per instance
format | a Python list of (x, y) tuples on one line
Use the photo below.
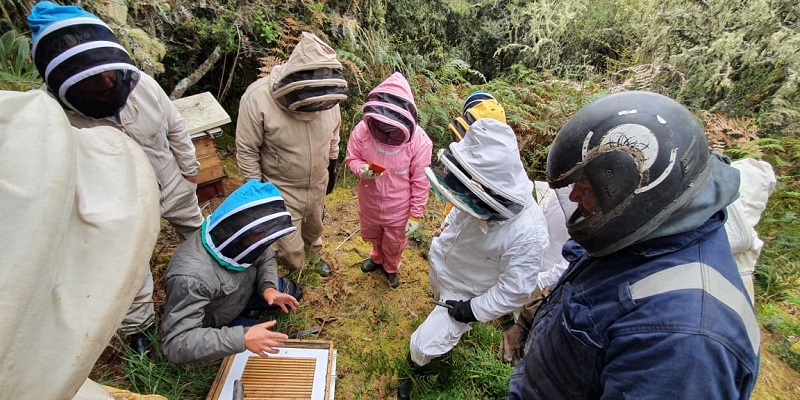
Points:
[(368, 320)]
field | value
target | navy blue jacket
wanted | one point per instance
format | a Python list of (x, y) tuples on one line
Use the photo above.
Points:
[(668, 318)]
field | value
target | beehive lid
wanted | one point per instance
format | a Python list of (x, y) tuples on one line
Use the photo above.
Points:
[(201, 112)]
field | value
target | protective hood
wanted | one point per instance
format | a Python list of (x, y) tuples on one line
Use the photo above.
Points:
[(312, 79), (721, 190), (246, 224), (390, 112), (483, 174), (71, 45)]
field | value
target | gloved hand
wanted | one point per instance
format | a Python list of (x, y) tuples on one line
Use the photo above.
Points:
[(461, 311), (331, 175), (412, 225), (367, 173)]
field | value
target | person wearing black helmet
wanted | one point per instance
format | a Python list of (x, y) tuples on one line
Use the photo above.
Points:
[(652, 305), (287, 133)]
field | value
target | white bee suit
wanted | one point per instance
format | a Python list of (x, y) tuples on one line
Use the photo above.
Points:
[(757, 181), (79, 216), (493, 262)]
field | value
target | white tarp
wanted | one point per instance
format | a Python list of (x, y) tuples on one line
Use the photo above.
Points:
[(78, 222)]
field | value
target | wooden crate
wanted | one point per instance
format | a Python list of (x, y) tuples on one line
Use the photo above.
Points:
[(209, 190), (210, 163)]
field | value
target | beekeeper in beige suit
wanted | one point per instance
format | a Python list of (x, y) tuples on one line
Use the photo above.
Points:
[(93, 78), (287, 133), (78, 219)]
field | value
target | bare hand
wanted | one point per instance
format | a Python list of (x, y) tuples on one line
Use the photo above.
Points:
[(273, 296), (260, 340), (192, 179)]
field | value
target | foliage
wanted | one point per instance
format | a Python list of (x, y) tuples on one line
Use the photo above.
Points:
[(777, 320), (471, 370), (151, 373), (543, 60), (17, 71), (779, 265)]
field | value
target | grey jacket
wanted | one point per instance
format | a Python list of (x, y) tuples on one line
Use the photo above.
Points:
[(203, 297)]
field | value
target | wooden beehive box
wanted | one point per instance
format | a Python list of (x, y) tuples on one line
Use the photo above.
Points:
[(204, 116), (302, 370)]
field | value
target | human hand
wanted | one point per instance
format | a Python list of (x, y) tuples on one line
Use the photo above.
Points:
[(273, 296), (461, 311), (412, 225), (192, 179), (367, 173), (260, 340)]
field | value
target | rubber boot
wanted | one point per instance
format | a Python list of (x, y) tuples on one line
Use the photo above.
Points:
[(370, 266), (394, 280), (139, 342), (406, 384), (323, 268)]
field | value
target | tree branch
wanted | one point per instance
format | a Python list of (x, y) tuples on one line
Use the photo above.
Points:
[(195, 76)]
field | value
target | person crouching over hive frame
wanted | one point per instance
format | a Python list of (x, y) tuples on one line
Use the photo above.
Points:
[(223, 272), (389, 151), (485, 262)]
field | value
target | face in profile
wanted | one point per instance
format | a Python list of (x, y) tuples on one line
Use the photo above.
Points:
[(583, 194)]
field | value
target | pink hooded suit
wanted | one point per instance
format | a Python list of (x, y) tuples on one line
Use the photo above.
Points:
[(386, 203)]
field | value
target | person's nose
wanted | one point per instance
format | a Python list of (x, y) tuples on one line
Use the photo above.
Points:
[(108, 79), (576, 194)]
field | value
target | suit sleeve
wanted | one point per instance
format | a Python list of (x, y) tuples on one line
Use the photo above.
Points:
[(267, 269), (334, 149), (249, 139), (183, 337), (420, 187), (515, 284), (178, 137), (355, 159)]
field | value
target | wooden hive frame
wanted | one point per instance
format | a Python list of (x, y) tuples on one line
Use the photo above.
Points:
[(278, 378)]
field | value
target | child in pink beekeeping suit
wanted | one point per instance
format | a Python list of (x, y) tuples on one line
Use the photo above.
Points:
[(391, 201)]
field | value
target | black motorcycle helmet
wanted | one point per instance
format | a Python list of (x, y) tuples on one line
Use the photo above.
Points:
[(644, 155)]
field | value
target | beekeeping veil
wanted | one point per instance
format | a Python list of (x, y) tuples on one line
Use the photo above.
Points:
[(312, 79), (245, 224), (483, 174)]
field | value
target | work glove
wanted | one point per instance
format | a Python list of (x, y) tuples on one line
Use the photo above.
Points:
[(461, 311), (331, 175), (412, 225), (367, 173)]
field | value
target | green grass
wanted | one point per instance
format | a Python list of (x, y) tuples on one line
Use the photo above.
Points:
[(151, 373)]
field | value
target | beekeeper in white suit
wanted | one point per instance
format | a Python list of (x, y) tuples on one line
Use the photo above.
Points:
[(79, 216), (485, 262)]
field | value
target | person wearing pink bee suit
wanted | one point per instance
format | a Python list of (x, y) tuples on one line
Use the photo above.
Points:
[(390, 202)]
